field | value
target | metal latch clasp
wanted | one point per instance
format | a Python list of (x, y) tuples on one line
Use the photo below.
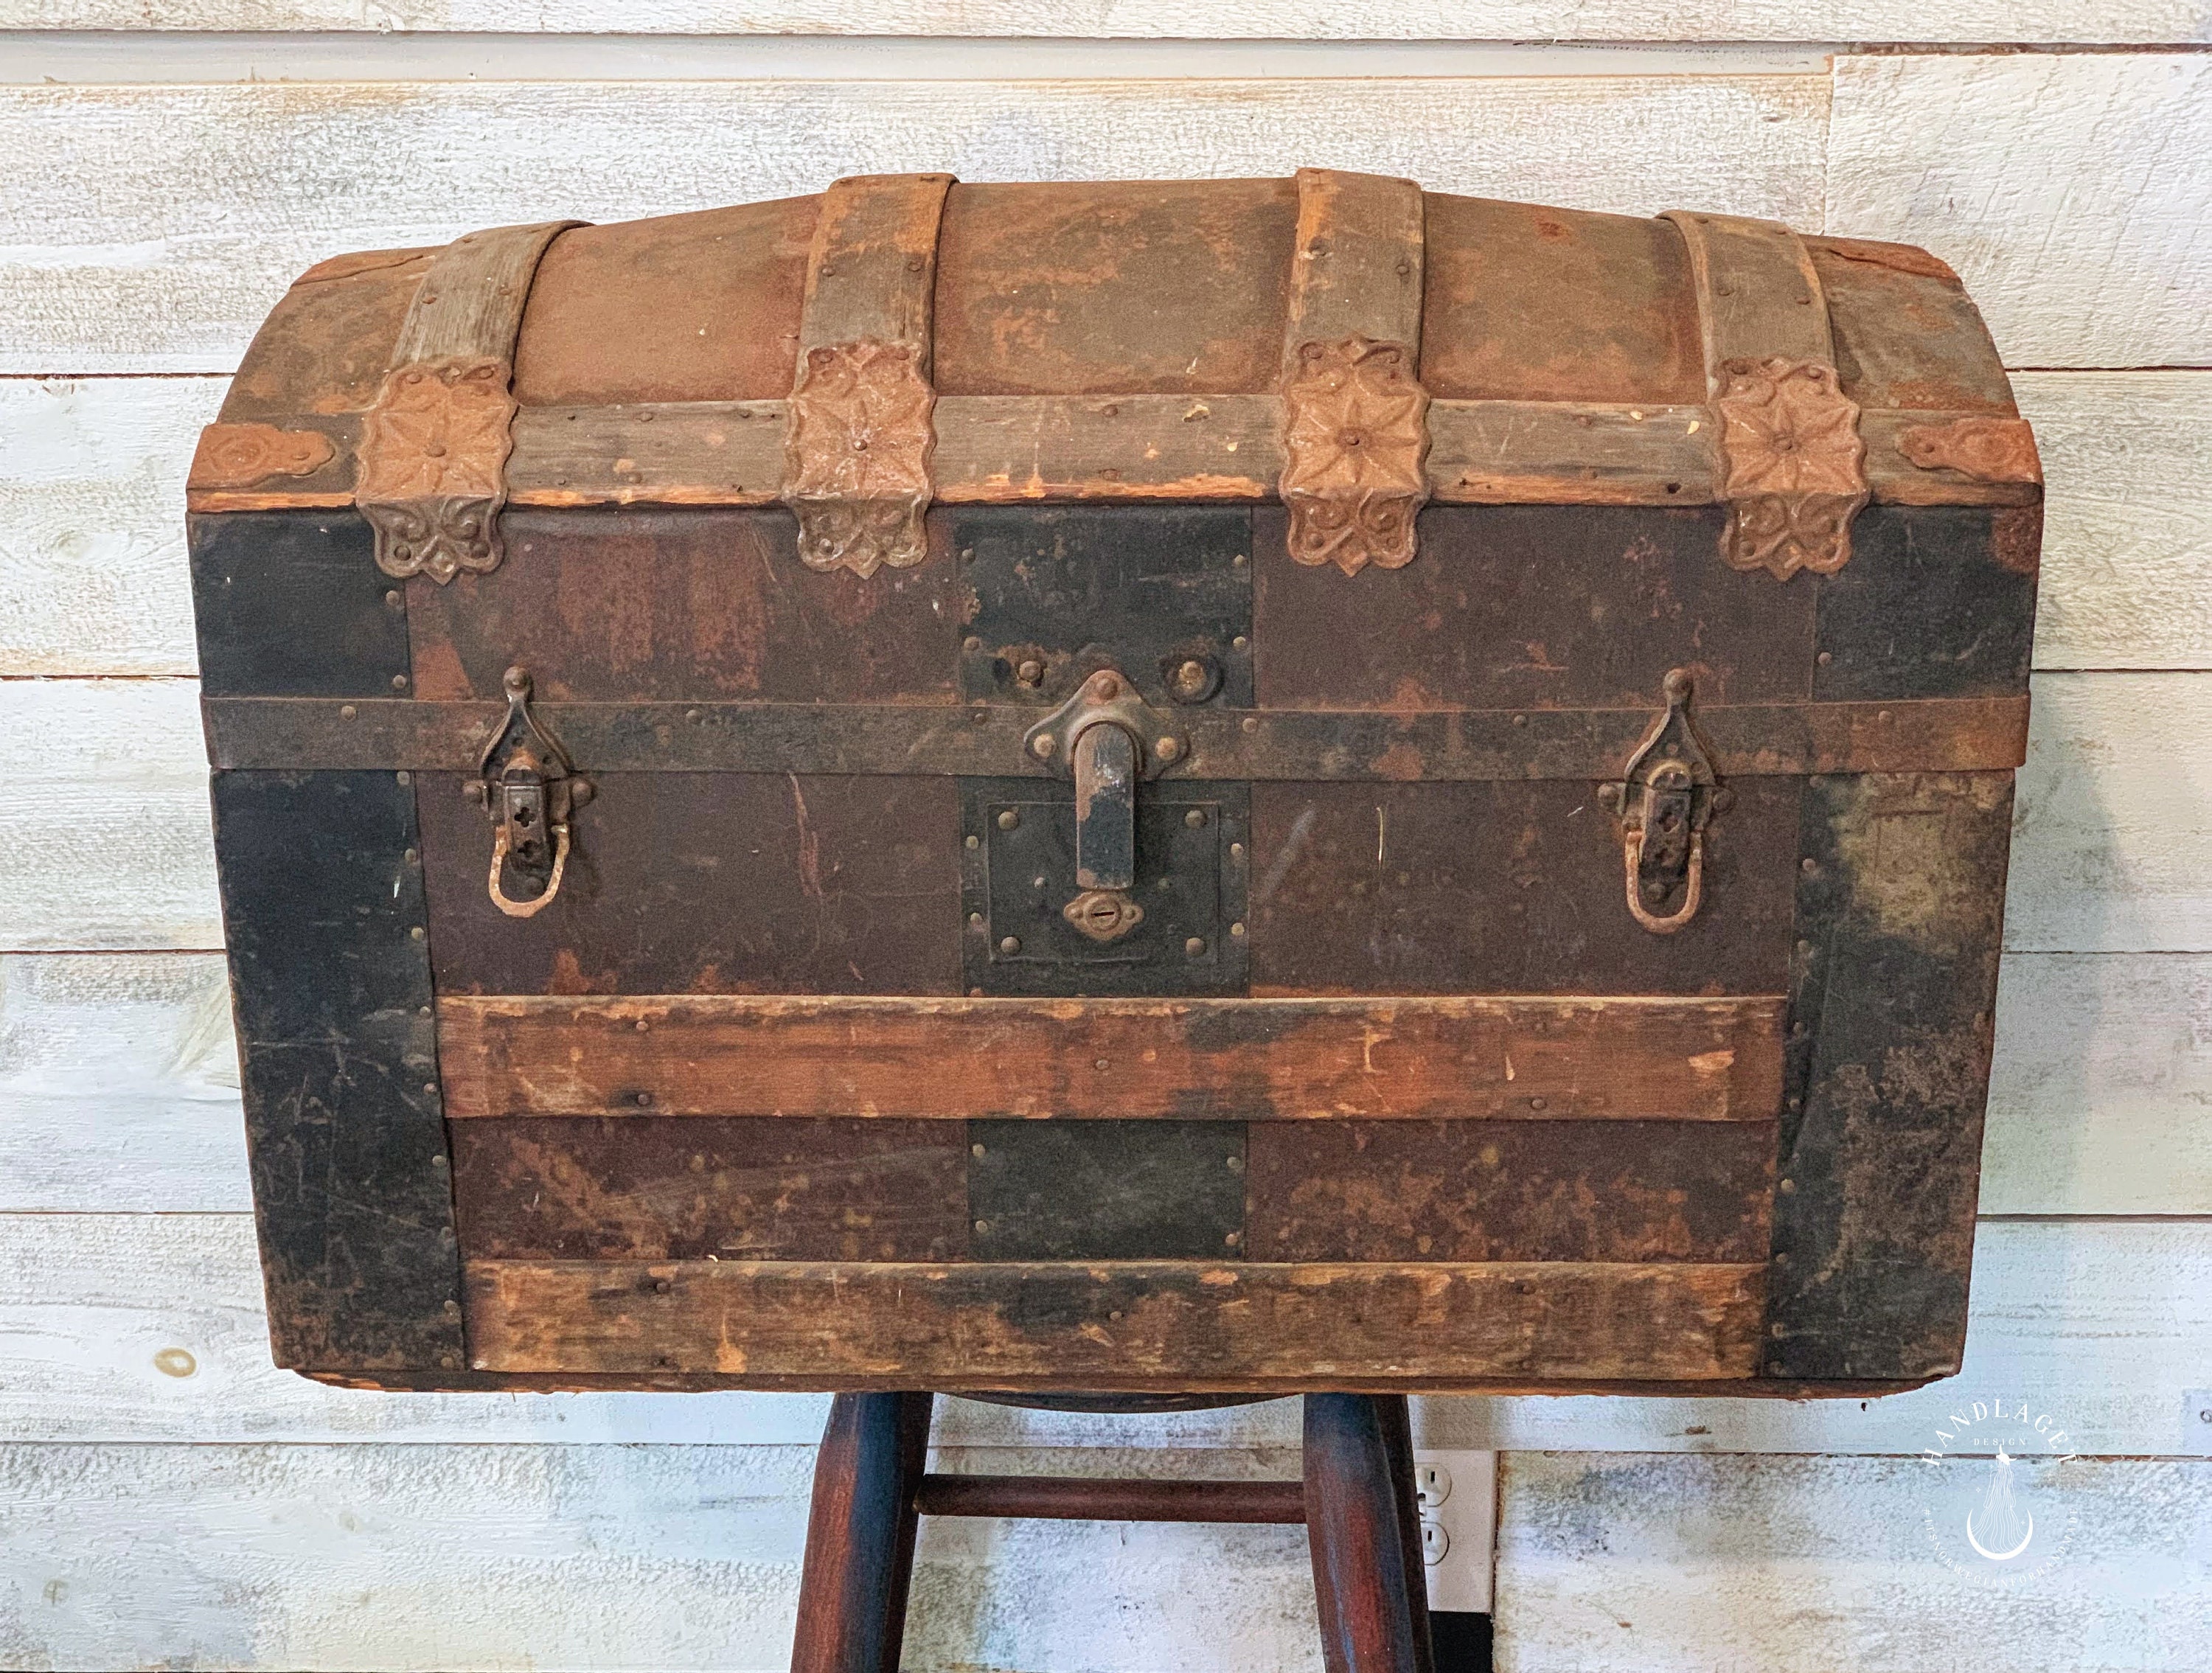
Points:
[(1108, 739), (528, 787), (1666, 796)]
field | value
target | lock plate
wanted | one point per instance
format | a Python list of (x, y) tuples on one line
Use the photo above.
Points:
[(1018, 881)]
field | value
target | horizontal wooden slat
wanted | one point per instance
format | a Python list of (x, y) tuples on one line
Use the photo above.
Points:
[(1008, 449), (1116, 1325), (1425, 20), (738, 1054), (2067, 189), (1615, 1563), (108, 266), (95, 470), (1783, 741)]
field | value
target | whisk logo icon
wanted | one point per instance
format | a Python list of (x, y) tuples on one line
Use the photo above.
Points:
[(1996, 1509)]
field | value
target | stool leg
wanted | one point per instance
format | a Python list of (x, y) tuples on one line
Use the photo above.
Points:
[(1365, 1532), (859, 1535)]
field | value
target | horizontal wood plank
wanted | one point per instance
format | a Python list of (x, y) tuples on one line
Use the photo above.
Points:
[(2066, 190), (95, 469), (1613, 1564), (1116, 1325), (108, 267), (738, 1054), (2104, 1319), (2152, 22)]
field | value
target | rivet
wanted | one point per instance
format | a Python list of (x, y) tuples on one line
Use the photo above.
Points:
[(1520, 720), (1195, 818), (971, 643), (429, 1089), (1825, 658), (401, 778), (345, 711), (983, 1225), (1233, 1238), (411, 857), (1808, 865), (1782, 1257), (417, 933), (1537, 1104), (1167, 748), (975, 920), (1237, 1165), (452, 1307), (975, 1150), (399, 682), (425, 1010), (438, 1163), (1009, 819), (1240, 642), (1777, 1328), (447, 1362), (392, 600), (1804, 949), (1011, 945), (1883, 718), (1042, 746), (1251, 723), (644, 1026), (1100, 1065), (1031, 672), (663, 1285), (1237, 928), (1788, 1187), (1195, 947), (1236, 851), (1793, 1103), (974, 841), (644, 1100), (1239, 561)]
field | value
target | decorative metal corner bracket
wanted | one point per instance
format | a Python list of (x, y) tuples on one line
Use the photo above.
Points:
[(234, 456), (1355, 442), (857, 457), (432, 479), (1667, 794), (1986, 449), (1793, 466)]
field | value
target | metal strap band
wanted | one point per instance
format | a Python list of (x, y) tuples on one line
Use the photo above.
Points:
[(433, 447), (858, 435), (1793, 466), (1355, 417)]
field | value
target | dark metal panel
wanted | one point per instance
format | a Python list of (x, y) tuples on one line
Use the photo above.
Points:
[(624, 605), (755, 1188), (1106, 1190), (712, 883), (290, 603), (1900, 911), (1019, 878), (1926, 609), (322, 911), (1140, 589), (1535, 607), (1503, 889), (1532, 1191)]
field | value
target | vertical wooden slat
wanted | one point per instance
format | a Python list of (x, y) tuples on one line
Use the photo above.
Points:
[(859, 1535)]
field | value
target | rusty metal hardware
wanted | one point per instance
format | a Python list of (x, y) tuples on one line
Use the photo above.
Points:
[(528, 787), (1666, 796), (1107, 738)]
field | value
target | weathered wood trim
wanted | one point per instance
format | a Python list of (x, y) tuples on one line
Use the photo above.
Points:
[(1745, 740), (858, 433), (432, 467), (1116, 1326), (742, 1054), (1028, 449), (1354, 415)]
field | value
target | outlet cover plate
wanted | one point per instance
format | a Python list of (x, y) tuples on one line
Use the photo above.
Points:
[(1468, 1517)]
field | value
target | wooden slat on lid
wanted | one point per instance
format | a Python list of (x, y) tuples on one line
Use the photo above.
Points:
[(1355, 430), (434, 448), (1793, 468), (859, 434)]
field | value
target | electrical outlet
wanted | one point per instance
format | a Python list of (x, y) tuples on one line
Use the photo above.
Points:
[(2196, 1422), (1457, 1495)]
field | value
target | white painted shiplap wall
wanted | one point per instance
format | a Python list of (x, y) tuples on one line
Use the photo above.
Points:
[(166, 1498)]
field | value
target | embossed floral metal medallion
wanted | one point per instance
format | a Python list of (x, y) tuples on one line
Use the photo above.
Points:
[(433, 456), (1356, 439), (1794, 468), (857, 465)]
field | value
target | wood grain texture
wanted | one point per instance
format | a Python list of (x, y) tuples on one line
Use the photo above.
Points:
[(2104, 1319), (2151, 22), (1691, 1059), (1116, 1325), (1732, 1563), (91, 562), (428, 162), (92, 551), (2065, 189)]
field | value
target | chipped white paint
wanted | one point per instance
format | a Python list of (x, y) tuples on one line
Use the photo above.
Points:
[(93, 578), (2158, 21), (2127, 522), (106, 265), (2071, 192), (1741, 1565)]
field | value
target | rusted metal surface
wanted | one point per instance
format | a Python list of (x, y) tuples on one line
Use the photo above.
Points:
[(858, 439), (241, 455), (1377, 745), (1355, 430), (711, 883), (1666, 796), (1112, 1325), (1516, 1060), (533, 1188), (1571, 1190), (434, 446), (1987, 449)]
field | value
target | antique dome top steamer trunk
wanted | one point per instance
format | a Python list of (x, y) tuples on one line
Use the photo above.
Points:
[(1221, 788)]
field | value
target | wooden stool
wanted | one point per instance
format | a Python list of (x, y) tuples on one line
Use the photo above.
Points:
[(1356, 1500)]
